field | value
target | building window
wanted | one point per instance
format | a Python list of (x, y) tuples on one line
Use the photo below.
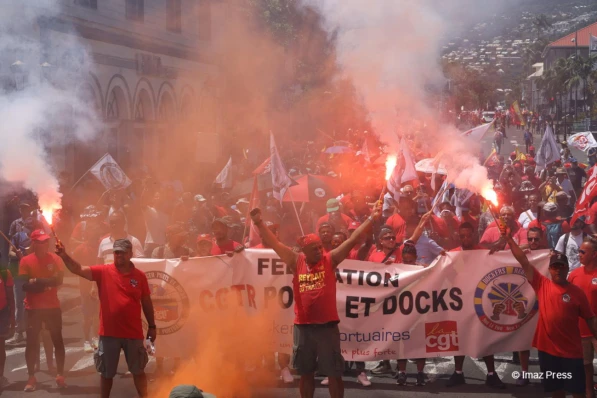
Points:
[(174, 15), (204, 19), (113, 112), (87, 3), (135, 10)]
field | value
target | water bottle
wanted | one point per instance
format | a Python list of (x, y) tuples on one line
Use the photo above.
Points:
[(149, 347)]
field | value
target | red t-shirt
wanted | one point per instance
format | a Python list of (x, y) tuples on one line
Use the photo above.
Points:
[(120, 301), (378, 256), (398, 225), (229, 246), (47, 266), (341, 225), (8, 284), (492, 234), (314, 292), (587, 281), (560, 307)]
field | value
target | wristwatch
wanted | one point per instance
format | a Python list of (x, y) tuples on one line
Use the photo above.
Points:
[(370, 218), (151, 327)]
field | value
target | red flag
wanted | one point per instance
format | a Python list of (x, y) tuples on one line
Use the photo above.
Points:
[(583, 204), (254, 238), (264, 167)]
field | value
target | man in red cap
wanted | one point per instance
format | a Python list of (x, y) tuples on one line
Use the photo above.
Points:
[(204, 244), (316, 334), (43, 272)]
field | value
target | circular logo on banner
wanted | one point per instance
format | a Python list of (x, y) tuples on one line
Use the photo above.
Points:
[(594, 281), (170, 302), (319, 192), (112, 176), (502, 300)]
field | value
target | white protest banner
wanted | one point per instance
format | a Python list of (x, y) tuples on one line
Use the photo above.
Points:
[(465, 303), (583, 141)]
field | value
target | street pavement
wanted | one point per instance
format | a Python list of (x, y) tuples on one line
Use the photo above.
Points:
[(83, 381)]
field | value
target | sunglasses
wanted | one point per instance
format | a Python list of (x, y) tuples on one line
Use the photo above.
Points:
[(558, 266), (389, 238), (533, 239)]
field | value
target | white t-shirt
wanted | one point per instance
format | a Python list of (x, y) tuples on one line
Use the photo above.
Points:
[(106, 249), (524, 218), (155, 224), (574, 243)]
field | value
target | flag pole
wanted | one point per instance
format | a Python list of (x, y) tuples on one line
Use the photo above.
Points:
[(251, 204), (296, 212)]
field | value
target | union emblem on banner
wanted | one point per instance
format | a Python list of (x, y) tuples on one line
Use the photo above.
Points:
[(501, 300)]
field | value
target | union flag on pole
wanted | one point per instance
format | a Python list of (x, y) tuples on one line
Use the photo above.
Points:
[(589, 192), (516, 114), (280, 179), (478, 132)]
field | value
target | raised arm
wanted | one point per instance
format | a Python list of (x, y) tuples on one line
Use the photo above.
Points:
[(286, 254), (420, 228), (342, 251), (518, 253), (72, 265)]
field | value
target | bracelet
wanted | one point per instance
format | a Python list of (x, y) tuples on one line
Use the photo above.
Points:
[(151, 327), (370, 218)]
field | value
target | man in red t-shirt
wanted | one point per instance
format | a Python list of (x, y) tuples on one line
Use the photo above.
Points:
[(466, 233), (585, 277), (335, 217), (493, 240), (557, 337), (43, 272), (316, 334), (223, 244), (326, 232), (7, 318), (123, 291)]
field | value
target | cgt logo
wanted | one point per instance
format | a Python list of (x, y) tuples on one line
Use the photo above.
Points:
[(441, 336)]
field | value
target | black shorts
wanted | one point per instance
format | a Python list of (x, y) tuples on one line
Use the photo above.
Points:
[(562, 374), (4, 322), (50, 318), (317, 347)]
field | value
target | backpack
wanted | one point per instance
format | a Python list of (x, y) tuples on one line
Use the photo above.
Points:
[(553, 233)]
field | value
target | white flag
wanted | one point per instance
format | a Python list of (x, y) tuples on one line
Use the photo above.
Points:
[(593, 45), (548, 150), (224, 179), (280, 179), (583, 141), (365, 151), (410, 172), (109, 173), (478, 132)]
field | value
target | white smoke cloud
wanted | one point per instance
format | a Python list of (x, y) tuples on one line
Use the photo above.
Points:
[(38, 98), (391, 51)]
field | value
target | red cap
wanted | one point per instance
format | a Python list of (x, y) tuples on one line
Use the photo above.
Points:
[(39, 235), (204, 238), (354, 225), (513, 154), (306, 240), (531, 148)]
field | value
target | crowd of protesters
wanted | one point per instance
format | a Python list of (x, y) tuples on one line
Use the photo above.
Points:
[(154, 219)]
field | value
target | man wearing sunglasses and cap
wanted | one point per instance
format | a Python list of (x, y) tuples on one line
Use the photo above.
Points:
[(123, 292), (557, 336), (316, 334)]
